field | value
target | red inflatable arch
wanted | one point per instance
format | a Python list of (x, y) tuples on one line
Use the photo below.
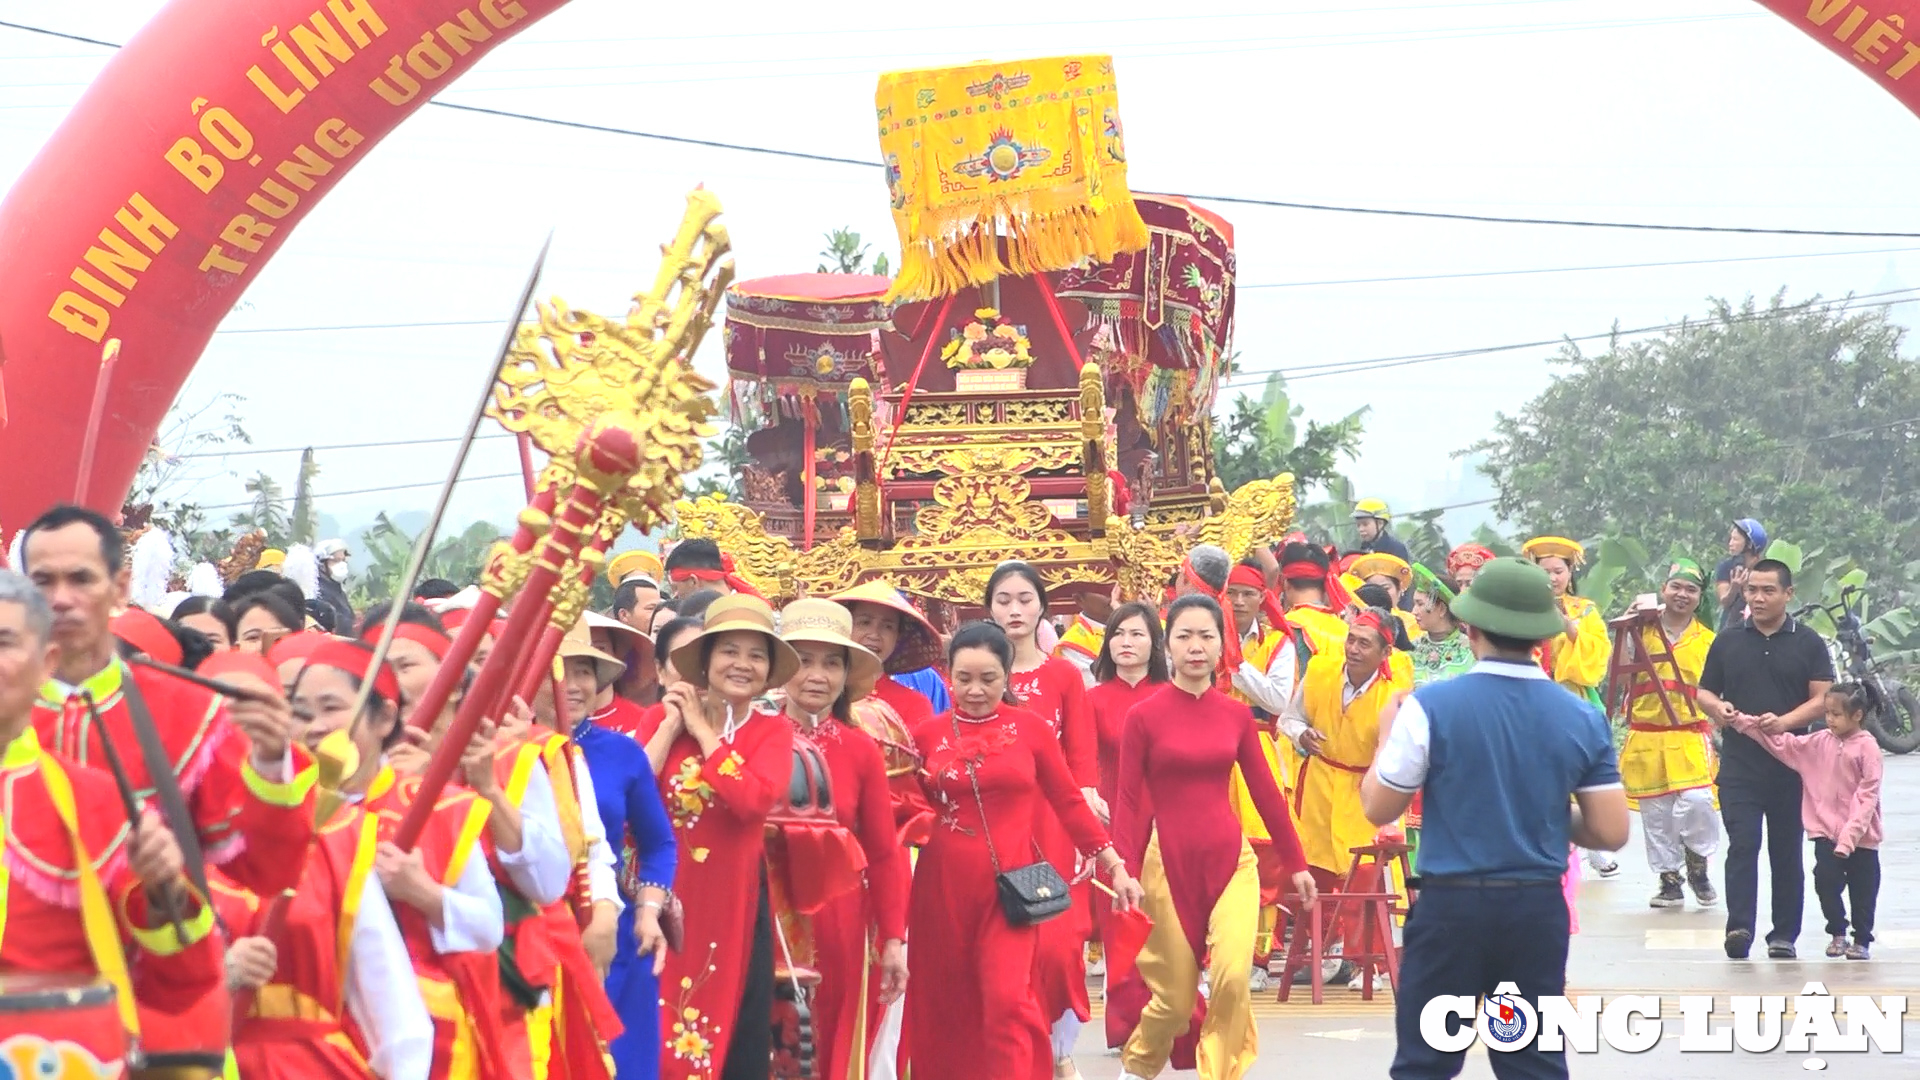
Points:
[(180, 172), (207, 139)]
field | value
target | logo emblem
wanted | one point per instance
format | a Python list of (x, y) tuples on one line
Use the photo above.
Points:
[(1507, 1022)]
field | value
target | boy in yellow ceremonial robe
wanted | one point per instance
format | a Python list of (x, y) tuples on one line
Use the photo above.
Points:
[(1334, 724), (1667, 762)]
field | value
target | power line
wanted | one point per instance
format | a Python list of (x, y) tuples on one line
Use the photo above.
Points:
[(1435, 215), (378, 490), (709, 143), (1354, 367), (1572, 269), (759, 67), (59, 34), (1576, 223), (1183, 18), (253, 451)]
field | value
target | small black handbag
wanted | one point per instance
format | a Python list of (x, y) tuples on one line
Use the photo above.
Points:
[(1030, 894)]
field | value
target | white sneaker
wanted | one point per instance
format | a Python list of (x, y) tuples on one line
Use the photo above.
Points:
[(1380, 981), (1330, 962), (1258, 982), (1097, 968)]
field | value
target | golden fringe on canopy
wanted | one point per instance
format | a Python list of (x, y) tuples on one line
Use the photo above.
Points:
[(1033, 146)]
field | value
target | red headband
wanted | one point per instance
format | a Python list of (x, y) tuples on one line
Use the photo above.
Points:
[(424, 636), (1324, 576), (356, 658), (1248, 577), (1370, 617), (240, 662), (296, 646), (1230, 651), (725, 573)]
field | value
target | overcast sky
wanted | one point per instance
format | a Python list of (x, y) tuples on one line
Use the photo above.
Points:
[(1676, 111)]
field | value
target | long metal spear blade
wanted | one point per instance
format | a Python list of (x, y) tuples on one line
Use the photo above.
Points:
[(423, 544)]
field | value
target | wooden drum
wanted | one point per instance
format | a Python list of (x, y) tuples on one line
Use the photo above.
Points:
[(60, 1026)]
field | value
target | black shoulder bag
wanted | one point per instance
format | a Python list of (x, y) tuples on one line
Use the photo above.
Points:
[(1030, 894)]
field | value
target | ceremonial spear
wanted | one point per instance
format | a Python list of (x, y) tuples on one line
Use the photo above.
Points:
[(337, 763)]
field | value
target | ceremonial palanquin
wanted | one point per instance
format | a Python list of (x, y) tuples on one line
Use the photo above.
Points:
[(1037, 384)]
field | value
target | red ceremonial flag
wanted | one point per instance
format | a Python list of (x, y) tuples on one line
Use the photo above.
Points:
[(1126, 935)]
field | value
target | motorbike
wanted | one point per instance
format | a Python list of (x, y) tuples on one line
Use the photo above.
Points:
[(1893, 712)]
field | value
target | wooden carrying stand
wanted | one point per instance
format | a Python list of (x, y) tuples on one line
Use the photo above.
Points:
[(1634, 665)]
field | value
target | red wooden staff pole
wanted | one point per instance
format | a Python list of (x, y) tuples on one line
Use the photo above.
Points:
[(607, 457)]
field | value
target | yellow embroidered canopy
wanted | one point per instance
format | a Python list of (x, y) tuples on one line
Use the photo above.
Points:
[(1033, 147)]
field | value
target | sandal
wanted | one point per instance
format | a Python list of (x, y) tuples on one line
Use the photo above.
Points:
[(1838, 946)]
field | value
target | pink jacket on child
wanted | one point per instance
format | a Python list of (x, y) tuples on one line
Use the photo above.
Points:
[(1839, 780)]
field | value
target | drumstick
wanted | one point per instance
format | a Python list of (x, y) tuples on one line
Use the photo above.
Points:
[(272, 928), (224, 689), (168, 908)]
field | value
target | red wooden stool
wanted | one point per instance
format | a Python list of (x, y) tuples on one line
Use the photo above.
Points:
[(1375, 949), (1384, 851)]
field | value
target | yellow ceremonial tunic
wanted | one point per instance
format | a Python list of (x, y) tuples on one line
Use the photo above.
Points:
[(1324, 634), (1659, 758), (1326, 796), (1259, 652), (1580, 665)]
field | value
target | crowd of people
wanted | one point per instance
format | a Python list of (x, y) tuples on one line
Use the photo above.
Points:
[(717, 810)]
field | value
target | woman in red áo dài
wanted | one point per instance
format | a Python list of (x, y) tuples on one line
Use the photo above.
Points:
[(994, 773), (866, 922), (1175, 821), (1052, 689), (721, 764)]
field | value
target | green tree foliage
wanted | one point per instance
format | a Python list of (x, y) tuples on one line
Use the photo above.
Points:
[(268, 511), (1263, 439), (177, 464), (305, 518), (725, 455), (388, 548), (845, 254), (1803, 415)]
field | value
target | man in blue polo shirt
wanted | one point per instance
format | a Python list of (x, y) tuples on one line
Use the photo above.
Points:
[(1515, 770)]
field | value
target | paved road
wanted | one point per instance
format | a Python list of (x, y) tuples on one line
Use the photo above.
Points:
[(1624, 946)]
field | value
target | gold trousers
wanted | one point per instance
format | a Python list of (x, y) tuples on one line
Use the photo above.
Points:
[(1228, 1039)]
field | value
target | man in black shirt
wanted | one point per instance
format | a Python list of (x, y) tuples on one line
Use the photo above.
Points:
[(1776, 670)]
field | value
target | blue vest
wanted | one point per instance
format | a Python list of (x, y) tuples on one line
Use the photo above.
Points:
[(1504, 756)]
